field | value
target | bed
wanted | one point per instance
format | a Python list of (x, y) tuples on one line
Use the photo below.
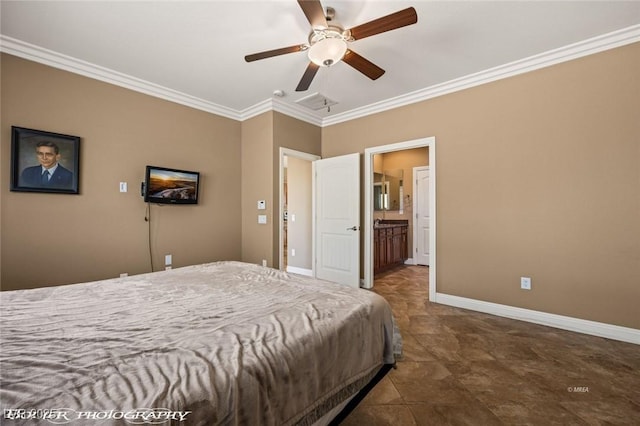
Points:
[(223, 343)]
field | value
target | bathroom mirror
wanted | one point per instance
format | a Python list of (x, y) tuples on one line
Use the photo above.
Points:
[(387, 190)]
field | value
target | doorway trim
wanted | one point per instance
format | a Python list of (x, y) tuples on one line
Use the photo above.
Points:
[(430, 143), (303, 156)]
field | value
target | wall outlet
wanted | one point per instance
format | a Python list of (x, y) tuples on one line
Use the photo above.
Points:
[(262, 204), (264, 262), (293, 252), (167, 260), (525, 283)]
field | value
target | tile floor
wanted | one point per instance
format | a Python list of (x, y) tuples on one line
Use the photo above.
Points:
[(467, 368)]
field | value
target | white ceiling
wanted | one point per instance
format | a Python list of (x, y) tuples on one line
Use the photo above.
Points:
[(193, 51)]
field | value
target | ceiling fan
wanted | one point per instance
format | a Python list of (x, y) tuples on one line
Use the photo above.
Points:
[(328, 41)]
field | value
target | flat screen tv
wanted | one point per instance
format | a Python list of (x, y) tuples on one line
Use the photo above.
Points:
[(170, 186)]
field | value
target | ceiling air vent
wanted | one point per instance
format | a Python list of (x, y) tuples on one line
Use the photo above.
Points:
[(316, 102)]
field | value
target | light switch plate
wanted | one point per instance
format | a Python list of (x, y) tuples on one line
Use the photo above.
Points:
[(123, 186), (262, 218), (262, 204)]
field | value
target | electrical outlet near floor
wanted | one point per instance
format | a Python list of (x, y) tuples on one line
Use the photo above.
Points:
[(525, 283)]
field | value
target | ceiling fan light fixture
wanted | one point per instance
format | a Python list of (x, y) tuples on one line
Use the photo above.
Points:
[(328, 41), (327, 47)]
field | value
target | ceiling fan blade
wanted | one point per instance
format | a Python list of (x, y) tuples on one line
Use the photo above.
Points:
[(275, 52), (399, 19), (363, 65), (314, 12), (307, 77)]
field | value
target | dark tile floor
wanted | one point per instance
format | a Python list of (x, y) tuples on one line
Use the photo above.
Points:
[(467, 368)]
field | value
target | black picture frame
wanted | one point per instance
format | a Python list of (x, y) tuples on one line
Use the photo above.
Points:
[(32, 149)]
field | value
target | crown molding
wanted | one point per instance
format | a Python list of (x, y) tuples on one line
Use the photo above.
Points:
[(57, 60), (573, 51), (577, 50), (277, 105), (255, 110)]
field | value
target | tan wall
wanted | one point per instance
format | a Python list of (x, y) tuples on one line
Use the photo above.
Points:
[(537, 175), (101, 232), (257, 178)]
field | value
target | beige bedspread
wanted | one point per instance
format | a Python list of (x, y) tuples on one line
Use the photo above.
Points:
[(216, 344)]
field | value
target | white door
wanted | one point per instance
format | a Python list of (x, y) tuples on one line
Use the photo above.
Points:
[(337, 219), (421, 226)]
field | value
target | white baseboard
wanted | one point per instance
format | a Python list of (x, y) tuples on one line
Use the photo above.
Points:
[(300, 271), (615, 332), (409, 261)]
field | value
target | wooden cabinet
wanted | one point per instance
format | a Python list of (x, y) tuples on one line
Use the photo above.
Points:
[(389, 246)]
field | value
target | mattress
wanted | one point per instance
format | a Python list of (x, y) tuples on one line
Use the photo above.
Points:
[(225, 343)]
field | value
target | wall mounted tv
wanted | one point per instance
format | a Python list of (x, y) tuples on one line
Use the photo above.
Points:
[(170, 186)]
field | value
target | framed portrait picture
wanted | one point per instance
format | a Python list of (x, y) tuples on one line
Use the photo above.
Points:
[(44, 161)]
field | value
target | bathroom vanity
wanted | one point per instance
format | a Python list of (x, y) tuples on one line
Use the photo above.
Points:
[(389, 244)]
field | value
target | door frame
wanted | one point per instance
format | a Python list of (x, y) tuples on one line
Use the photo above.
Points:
[(430, 143), (303, 156)]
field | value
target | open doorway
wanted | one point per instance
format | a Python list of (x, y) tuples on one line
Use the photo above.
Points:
[(369, 206), (295, 245)]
